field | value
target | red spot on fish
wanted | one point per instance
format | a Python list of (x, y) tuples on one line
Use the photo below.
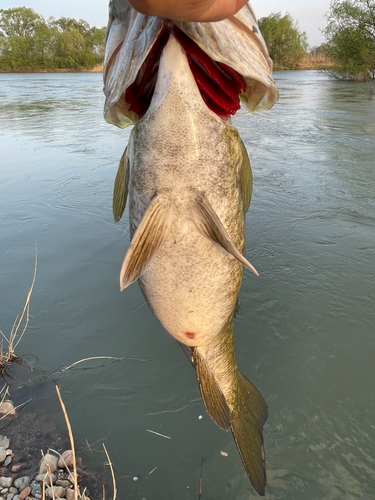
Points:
[(190, 335), (218, 84)]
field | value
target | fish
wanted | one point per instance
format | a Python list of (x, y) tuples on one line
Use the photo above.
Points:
[(188, 178)]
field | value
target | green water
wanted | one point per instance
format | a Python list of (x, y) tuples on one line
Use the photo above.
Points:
[(305, 333)]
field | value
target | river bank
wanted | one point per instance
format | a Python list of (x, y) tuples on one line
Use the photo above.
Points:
[(35, 451), (96, 69), (309, 62)]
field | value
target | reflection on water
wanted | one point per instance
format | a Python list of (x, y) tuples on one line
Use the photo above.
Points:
[(304, 333)]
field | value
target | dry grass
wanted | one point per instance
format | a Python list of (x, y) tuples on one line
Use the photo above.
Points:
[(113, 476), (18, 329), (317, 62), (89, 359), (7, 355), (78, 495), (75, 479)]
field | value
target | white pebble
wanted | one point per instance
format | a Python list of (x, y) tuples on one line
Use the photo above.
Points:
[(135, 478), (200, 417)]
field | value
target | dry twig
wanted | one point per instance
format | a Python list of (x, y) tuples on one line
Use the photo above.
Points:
[(88, 359), (158, 434), (71, 443), (113, 474)]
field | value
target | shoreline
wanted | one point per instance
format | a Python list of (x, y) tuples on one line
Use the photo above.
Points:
[(304, 65), (95, 69)]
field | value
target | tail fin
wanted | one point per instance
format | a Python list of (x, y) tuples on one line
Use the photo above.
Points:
[(245, 417), (247, 421)]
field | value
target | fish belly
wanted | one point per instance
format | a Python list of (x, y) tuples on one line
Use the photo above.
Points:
[(182, 149), (192, 287)]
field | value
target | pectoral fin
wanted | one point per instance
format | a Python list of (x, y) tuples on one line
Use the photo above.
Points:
[(120, 191), (151, 233), (208, 223), (246, 179)]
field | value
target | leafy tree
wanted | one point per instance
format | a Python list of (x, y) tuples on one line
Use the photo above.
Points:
[(28, 42), (350, 34), (286, 43), (67, 24), (20, 21), (23, 33), (96, 38)]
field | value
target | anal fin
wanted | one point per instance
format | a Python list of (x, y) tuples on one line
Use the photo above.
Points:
[(150, 234), (212, 396), (208, 223)]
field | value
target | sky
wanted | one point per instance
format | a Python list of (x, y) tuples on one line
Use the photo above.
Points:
[(308, 13)]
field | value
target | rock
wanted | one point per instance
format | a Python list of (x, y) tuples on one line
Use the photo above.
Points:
[(69, 494), (3, 454), (6, 482), (7, 410), (56, 491), (4, 442), (22, 482), (47, 478), (50, 460), (66, 459), (36, 489), (18, 467), (5, 490), (24, 493), (9, 452), (63, 482), (10, 496), (7, 461), (13, 490)]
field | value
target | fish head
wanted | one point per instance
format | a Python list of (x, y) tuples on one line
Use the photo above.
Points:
[(229, 61)]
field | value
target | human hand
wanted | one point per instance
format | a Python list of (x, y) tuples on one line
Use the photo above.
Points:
[(189, 10)]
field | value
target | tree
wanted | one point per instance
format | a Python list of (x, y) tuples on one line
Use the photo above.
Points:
[(350, 34), (286, 43), (28, 42), (20, 21), (23, 35)]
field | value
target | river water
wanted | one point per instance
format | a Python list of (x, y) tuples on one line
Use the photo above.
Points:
[(305, 332)]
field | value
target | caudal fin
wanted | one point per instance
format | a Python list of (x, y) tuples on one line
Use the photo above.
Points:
[(247, 420), (245, 417)]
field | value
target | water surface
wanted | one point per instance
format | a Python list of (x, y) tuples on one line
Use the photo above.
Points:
[(304, 334)]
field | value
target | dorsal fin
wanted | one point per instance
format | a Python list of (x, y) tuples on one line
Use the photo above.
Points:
[(208, 223), (151, 233), (120, 190)]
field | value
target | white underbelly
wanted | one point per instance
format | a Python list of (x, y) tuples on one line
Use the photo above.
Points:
[(192, 285)]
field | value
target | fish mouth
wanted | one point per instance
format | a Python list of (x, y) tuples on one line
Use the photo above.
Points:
[(219, 85)]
